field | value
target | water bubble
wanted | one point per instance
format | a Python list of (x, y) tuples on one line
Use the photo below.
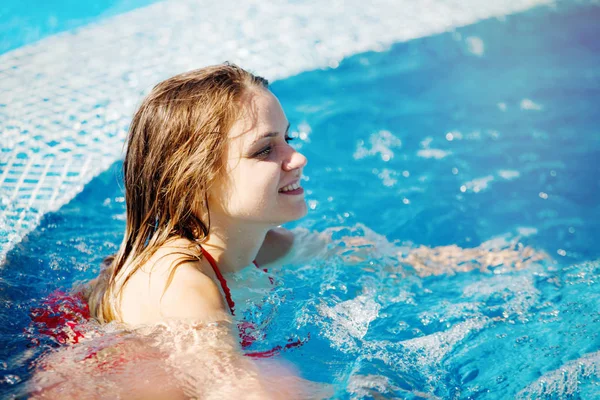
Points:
[(475, 45), (11, 379), (438, 154), (527, 104)]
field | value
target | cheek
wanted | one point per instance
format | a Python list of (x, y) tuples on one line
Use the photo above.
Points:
[(258, 181), (253, 187)]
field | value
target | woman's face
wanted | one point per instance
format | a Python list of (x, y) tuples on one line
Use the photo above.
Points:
[(263, 171)]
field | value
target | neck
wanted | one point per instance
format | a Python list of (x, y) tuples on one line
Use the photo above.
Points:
[(234, 248)]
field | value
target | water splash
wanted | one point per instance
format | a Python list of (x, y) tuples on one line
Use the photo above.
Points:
[(565, 381)]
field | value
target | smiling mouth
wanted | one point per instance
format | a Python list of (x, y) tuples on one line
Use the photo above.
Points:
[(290, 188)]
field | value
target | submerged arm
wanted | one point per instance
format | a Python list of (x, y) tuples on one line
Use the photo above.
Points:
[(192, 352), (283, 246), (357, 244), (453, 259)]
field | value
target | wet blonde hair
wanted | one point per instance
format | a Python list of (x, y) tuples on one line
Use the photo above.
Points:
[(175, 150)]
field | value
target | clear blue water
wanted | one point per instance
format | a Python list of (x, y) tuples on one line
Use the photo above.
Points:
[(521, 168)]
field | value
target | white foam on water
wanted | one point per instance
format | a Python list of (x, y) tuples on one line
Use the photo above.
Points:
[(565, 381), (430, 350), (422, 357), (348, 320), (483, 183), (428, 152), (366, 385), (508, 174), (526, 231), (382, 143), (475, 45), (528, 104), (388, 177), (477, 185), (66, 101), (438, 154), (522, 290)]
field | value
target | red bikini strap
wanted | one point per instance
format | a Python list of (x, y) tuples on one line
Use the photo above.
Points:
[(275, 350), (271, 280), (221, 279)]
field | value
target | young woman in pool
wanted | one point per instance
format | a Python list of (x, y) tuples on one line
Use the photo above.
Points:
[(209, 177)]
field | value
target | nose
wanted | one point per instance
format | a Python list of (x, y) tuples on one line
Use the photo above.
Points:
[(295, 160)]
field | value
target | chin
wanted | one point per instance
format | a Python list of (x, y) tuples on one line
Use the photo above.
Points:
[(293, 215), (302, 211)]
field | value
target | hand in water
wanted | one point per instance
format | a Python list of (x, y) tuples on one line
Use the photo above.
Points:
[(357, 244)]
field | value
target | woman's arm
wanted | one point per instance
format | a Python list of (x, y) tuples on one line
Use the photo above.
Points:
[(452, 259), (277, 247), (284, 246), (359, 243), (193, 351)]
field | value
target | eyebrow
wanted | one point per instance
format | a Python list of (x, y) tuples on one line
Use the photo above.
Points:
[(270, 134)]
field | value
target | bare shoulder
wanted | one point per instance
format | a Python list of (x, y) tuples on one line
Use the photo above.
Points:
[(171, 285), (277, 245), (191, 294)]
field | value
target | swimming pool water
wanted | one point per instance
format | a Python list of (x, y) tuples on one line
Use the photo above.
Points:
[(485, 137)]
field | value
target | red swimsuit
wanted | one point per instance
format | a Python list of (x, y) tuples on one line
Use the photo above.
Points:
[(244, 326)]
